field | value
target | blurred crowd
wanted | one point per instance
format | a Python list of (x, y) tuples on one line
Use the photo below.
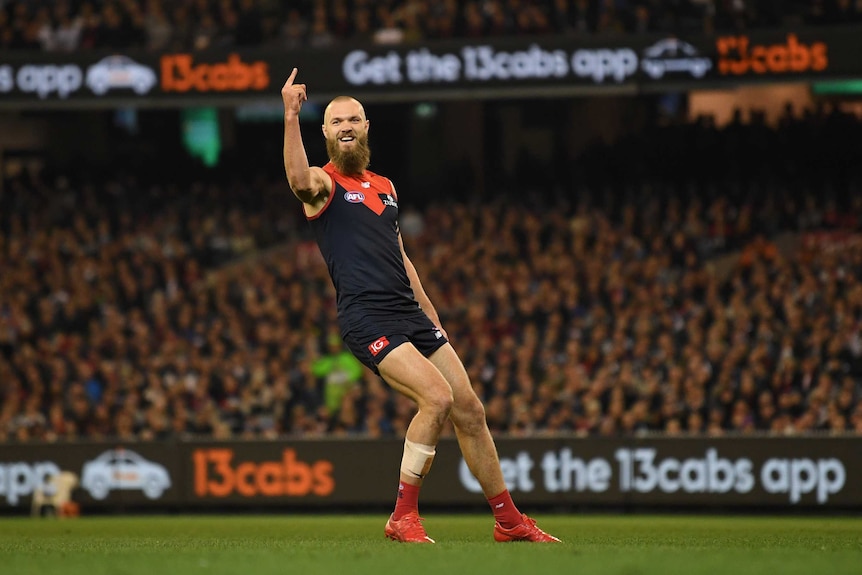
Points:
[(134, 310), (68, 25)]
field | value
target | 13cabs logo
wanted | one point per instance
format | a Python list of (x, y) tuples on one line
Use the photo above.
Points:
[(738, 56), (180, 73), (216, 474)]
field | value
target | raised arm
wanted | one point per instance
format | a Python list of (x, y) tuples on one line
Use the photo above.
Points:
[(309, 183)]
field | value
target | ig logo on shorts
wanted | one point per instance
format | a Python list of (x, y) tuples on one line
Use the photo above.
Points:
[(378, 345)]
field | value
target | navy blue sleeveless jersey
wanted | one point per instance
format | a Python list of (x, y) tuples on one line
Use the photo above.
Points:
[(357, 232)]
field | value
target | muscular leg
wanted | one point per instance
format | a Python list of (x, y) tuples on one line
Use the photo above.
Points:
[(449, 394), (471, 428), (410, 373)]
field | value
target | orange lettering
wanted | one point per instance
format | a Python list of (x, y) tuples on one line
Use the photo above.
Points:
[(739, 68), (261, 75), (735, 58), (268, 479), (758, 59), (297, 475), (725, 44), (167, 73), (238, 72), (244, 475), (177, 69), (800, 58), (181, 74), (200, 457), (290, 476), (779, 59), (200, 77), (221, 458), (324, 483), (819, 59), (220, 78)]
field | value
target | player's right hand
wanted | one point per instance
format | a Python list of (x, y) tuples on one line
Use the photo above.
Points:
[(293, 95)]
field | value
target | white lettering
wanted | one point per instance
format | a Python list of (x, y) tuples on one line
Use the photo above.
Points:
[(642, 470), (667, 467), (45, 80), (600, 64), (798, 477), (562, 472), (423, 66), (20, 479), (7, 79), (359, 69), (624, 457), (803, 478), (644, 463), (523, 465), (483, 63), (598, 475), (720, 472), (831, 478), (516, 474), (744, 476), (693, 476), (639, 470), (550, 465)]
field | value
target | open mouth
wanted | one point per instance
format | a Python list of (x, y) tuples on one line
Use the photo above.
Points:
[(346, 139)]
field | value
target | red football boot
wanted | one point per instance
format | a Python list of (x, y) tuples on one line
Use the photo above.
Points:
[(408, 529), (526, 531)]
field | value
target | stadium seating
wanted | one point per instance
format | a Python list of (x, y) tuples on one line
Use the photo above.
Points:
[(676, 297), (203, 24)]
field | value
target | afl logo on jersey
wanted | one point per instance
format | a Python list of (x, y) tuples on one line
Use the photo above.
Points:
[(354, 197)]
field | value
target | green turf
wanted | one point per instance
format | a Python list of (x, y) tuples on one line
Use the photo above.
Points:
[(354, 544)]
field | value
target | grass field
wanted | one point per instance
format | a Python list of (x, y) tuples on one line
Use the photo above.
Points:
[(354, 544)]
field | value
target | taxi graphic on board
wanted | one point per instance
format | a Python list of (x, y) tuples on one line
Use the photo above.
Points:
[(119, 72), (673, 56), (123, 469)]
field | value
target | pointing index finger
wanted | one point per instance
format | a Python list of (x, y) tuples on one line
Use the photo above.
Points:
[(292, 76)]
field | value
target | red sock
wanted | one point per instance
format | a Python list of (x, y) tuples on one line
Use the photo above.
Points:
[(505, 512), (408, 500)]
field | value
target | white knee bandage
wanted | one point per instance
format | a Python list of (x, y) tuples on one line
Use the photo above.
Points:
[(417, 459)]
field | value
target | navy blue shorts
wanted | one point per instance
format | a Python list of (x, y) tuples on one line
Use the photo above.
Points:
[(370, 340)]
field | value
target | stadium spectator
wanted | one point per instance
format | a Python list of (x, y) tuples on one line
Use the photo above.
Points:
[(294, 30), (338, 369), (586, 318), (37, 24)]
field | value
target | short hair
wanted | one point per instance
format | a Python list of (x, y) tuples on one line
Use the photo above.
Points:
[(338, 100)]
